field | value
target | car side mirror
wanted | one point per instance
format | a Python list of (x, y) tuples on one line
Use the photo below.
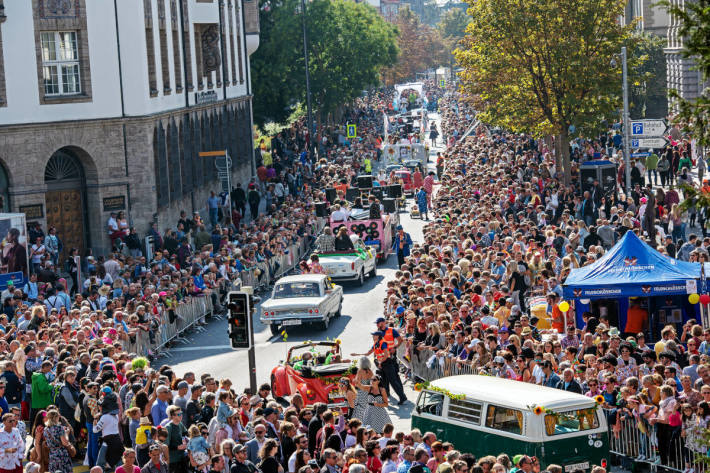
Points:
[(418, 409)]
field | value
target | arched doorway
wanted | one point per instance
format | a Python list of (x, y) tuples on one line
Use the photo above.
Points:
[(65, 199)]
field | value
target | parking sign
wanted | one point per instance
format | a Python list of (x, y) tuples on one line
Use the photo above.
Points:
[(648, 128)]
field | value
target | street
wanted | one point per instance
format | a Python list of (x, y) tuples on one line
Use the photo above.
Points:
[(210, 352)]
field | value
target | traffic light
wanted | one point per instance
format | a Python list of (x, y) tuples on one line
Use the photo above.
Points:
[(239, 307)]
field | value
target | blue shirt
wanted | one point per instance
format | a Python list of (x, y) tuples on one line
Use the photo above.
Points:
[(404, 466), (213, 202), (158, 411)]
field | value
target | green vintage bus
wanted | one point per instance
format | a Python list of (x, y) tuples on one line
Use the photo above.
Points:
[(498, 416)]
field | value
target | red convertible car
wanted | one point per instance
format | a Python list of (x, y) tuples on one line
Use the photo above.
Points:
[(313, 370)]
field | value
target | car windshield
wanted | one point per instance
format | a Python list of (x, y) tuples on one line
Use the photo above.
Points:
[(571, 421), (296, 289)]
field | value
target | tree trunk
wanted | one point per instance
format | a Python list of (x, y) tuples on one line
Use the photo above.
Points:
[(563, 138), (558, 155)]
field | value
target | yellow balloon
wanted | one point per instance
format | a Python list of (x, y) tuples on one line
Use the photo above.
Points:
[(564, 306), (693, 298)]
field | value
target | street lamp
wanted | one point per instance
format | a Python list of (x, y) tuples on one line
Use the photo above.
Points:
[(625, 117), (309, 115)]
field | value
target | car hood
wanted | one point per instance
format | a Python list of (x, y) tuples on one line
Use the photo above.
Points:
[(292, 302)]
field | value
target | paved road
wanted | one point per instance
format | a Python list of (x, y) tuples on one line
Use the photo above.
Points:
[(210, 351)]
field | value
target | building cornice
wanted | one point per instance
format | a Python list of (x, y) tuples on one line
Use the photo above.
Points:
[(129, 118)]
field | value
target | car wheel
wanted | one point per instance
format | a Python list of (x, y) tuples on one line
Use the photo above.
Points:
[(326, 323), (373, 271), (361, 278), (274, 329), (340, 310)]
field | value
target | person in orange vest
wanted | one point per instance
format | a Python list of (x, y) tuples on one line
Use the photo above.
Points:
[(390, 367), (383, 359)]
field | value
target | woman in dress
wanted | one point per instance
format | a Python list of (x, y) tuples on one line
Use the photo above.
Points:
[(350, 393), (55, 435), (376, 415), (362, 386)]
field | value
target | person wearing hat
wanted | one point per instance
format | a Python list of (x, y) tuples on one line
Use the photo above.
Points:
[(240, 460), (271, 415), (389, 366), (402, 245), (382, 353)]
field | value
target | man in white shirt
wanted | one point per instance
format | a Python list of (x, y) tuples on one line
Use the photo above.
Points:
[(12, 446), (339, 214)]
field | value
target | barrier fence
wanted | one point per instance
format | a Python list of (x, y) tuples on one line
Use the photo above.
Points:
[(173, 323), (261, 275), (633, 441)]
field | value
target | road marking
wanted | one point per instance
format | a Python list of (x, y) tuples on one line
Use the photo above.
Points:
[(210, 347)]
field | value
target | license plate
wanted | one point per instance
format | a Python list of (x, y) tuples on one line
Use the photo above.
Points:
[(291, 322), (329, 271), (576, 466)]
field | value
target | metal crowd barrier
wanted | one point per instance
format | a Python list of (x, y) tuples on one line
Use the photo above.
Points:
[(186, 314), (635, 441), (280, 265), (198, 308), (427, 365)]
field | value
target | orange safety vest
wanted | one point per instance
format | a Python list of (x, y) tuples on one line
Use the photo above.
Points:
[(381, 354), (389, 337)]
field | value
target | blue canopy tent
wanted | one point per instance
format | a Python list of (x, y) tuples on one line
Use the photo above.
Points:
[(631, 268)]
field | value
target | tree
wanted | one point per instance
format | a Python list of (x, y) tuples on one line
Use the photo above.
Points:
[(648, 93), (420, 46), (431, 12), (349, 45), (452, 29), (541, 66), (453, 24), (694, 27)]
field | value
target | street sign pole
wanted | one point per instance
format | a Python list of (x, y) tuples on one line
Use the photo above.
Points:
[(627, 160)]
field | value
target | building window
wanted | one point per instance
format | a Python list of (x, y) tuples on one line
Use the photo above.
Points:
[(60, 63)]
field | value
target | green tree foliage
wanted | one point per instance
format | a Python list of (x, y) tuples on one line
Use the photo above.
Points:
[(349, 45), (420, 46), (431, 13), (539, 66), (648, 92), (452, 29), (694, 27)]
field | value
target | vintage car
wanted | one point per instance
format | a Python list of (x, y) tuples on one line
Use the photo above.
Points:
[(302, 299), (351, 265), (315, 380)]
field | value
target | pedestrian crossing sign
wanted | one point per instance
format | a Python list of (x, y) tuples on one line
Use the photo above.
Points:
[(352, 130), (442, 83)]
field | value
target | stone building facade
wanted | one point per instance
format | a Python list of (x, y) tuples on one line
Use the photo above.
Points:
[(105, 105)]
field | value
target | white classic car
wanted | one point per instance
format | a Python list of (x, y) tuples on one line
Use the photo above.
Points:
[(302, 299), (350, 265)]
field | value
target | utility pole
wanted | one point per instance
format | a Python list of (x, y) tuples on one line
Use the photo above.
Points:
[(309, 112), (627, 157)]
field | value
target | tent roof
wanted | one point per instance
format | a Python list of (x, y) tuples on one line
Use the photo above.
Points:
[(631, 268)]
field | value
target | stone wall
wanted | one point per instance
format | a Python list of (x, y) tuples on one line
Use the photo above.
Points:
[(110, 170)]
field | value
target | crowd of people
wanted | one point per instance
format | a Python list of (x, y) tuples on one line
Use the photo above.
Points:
[(505, 230), (506, 234)]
